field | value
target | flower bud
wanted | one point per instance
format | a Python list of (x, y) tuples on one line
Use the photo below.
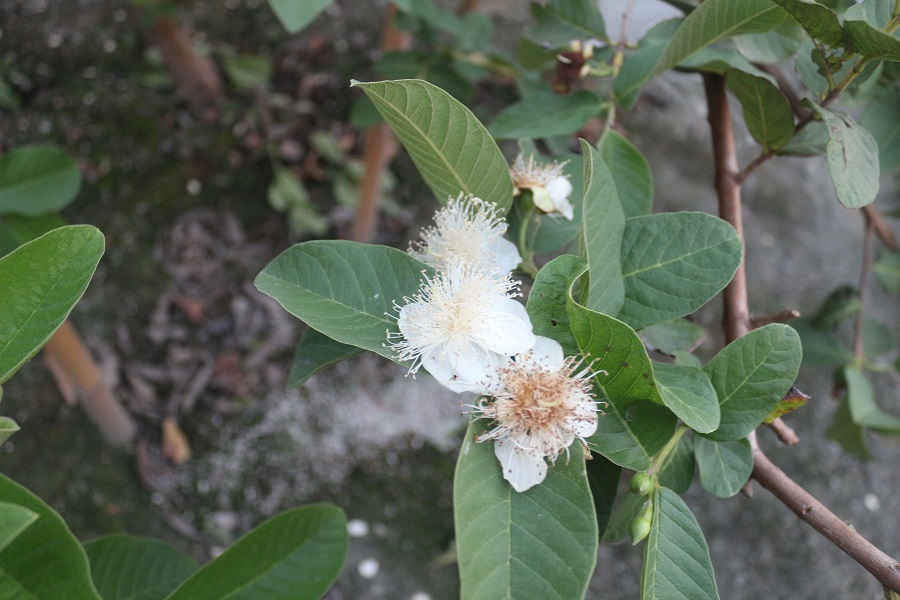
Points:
[(640, 526), (641, 483)]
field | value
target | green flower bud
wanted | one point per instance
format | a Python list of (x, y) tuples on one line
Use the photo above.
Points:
[(640, 526), (641, 484)]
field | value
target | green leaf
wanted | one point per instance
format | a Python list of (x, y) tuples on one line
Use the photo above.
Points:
[(314, 353), (673, 336), (37, 179), (344, 290), (686, 359), (848, 434), (545, 114), (871, 42), (724, 466), (124, 567), (561, 21), (637, 68), (549, 233), (880, 119), (673, 263), (887, 270), (248, 72), (751, 375), (812, 140), (773, 46), (720, 58), (295, 555), (852, 159), (767, 112), (45, 560), (623, 514), (43, 280), (16, 230), (819, 21), (630, 172), (877, 340), (450, 147), (603, 477), (604, 226), (677, 565), (522, 545), (821, 348), (863, 409), (287, 194), (14, 519), (7, 428), (8, 97), (689, 394), (633, 427), (677, 473), (547, 300), (295, 15), (841, 304), (716, 20)]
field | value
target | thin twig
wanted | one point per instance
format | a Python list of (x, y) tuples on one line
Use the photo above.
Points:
[(874, 217), (884, 568), (781, 317), (787, 89), (858, 353), (784, 432)]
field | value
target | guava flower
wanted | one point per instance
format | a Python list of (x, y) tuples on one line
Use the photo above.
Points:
[(549, 187), (467, 229), (463, 323), (542, 404)]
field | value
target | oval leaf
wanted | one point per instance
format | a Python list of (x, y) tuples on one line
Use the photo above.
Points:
[(677, 565), (819, 21), (545, 114), (751, 375), (124, 567), (673, 263), (689, 394), (852, 159), (630, 172), (45, 560), (872, 43), (547, 300), (43, 280), (314, 352), (37, 179), (522, 545), (7, 428), (767, 112), (678, 335), (14, 519), (724, 466), (604, 225), (344, 290), (861, 400), (296, 555), (451, 148), (561, 21)]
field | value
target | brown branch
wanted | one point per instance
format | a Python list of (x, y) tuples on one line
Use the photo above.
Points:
[(874, 217), (782, 317), (784, 432), (787, 89), (863, 276), (728, 190), (885, 569)]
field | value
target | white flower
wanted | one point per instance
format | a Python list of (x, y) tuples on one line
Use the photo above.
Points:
[(541, 406), (471, 230), (549, 187), (461, 325)]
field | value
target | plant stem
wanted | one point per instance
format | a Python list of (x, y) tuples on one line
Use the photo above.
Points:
[(858, 354), (737, 323), (665, 455)]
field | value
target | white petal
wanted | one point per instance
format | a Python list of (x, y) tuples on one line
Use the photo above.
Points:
[(547, 353), (507, 255), (440, 365), (522, 467), (477, 368), (507, 328), (559, 189), (583, 420), (542, 199)]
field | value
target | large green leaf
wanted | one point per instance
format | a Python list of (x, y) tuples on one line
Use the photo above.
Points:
[(880, 119), (124, 567), (450, 147), (344, 290), (560, 21), (42, 281), (630, 172), (296, 555), (547, 300), (689, 394), (17, 230), (14, 519), (604, 226), (849, 435), (677, 565), (522, 545), (603, 477), (669, 337), (852, 159), (314, 352), (45, 560), (545, 114), (767, 112), (724, 466), (861, 400), (819, 21), (37, 179), (295, 15), (771, 47), (751, 375), (871, 42), (716, 20), (673, 263)]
